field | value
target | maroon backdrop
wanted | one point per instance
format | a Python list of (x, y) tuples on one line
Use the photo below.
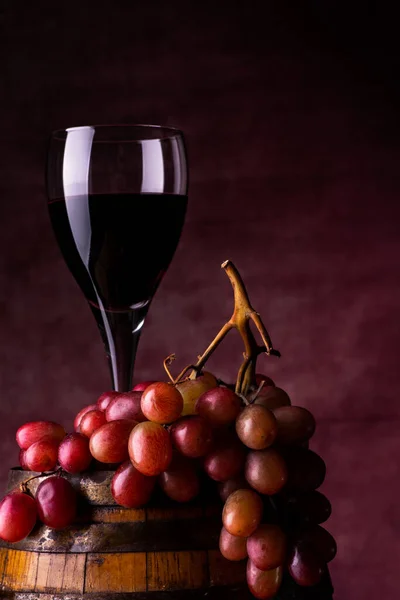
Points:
[(293, 140)]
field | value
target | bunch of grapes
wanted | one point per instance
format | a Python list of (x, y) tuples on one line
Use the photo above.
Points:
[(171, 436), (43, 444)]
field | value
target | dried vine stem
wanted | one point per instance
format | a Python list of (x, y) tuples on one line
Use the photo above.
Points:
[(243, 314)]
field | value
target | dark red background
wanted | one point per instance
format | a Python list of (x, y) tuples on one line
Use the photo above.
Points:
[(291, 121)]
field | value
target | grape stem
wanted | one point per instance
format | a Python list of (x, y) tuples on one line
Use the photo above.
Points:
[(181, 376), (24, 485), (167, 363), (254, 396), (243, 314)]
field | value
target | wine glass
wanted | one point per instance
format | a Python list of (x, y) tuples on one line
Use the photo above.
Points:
[(117, 202)]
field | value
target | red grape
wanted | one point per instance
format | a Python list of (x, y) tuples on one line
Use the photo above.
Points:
[(109, 444), (161, 403), (321, 541), (225, 488), (105, 399), (56, 502), (192, 436), (18, 516), (34, 431), (256, 427), (126, 406), (266, 471), (226, 459), (219, 405), (142, 385), (150, 448), (130, 488), (42, 456), (242, 513), (267, 547), (231, 546), (267, 380), (192, 389), (306, 470), (82, 412), (310, 507), (263, 584), (91, 422), (295, 424), (180, 481), (73, 454), (22, 460), (272, 397), (305, 566)]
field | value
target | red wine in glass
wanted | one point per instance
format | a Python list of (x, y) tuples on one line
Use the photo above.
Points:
[(117, 203)]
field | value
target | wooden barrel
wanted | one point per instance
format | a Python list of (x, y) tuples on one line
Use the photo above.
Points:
[(165, 551)]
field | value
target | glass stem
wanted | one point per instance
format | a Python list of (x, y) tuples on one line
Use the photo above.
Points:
[(120, 331)]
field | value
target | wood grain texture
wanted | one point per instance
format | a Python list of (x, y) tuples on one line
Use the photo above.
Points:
[(176, 570), (3, 561), (135, 576), (116, 573), (19, 570), (60, 573)]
